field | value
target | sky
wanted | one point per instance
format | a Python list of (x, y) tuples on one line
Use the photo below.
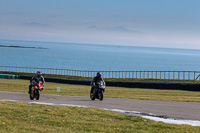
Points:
[(146, 23)]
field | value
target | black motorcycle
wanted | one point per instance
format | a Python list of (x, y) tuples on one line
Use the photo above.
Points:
[(97, 91)]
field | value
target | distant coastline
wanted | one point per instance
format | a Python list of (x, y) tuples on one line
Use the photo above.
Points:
[(22, 47)]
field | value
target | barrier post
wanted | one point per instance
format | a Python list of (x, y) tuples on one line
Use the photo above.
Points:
[(160, 75), (156, 74)]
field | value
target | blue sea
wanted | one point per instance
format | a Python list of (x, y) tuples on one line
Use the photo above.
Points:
[(94, 57)]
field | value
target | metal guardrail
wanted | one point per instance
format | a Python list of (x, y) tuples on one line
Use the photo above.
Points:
[(8, 76), (187, 75)]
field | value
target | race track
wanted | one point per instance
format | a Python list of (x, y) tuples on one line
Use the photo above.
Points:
[(185, 110)]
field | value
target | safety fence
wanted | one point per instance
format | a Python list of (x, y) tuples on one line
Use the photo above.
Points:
[(187, 75)]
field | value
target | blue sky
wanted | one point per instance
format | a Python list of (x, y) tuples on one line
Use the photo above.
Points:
[(152, 23)]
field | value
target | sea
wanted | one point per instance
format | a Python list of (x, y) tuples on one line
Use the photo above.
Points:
[(93, 57)]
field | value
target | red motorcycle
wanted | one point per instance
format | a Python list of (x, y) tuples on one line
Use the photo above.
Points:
[(35, 92)]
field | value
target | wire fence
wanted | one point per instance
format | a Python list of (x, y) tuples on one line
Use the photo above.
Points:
[(184, 75)]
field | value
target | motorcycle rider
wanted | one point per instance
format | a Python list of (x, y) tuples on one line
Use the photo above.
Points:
[(96, 79), (36, 78)]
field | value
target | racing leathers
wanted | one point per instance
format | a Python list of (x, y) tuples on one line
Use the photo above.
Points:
[(95, 80)]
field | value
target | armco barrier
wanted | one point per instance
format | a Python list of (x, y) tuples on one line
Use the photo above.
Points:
[(8, 76), (157, 85), (149, 85), (57, 80)]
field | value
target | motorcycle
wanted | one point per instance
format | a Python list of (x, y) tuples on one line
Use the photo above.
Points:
[(35, 92), (98, 91)]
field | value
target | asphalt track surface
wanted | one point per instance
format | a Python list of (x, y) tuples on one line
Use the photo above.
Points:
[(168, 109)]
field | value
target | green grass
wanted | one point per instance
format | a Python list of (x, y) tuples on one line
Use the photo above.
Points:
[(106, 79), (18, 117), (114, 92)]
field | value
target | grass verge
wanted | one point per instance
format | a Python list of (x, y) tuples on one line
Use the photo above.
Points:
[(114, 92), (21, 117)]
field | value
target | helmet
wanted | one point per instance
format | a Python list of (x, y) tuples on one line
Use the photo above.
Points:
[(98, 74), (39, 73)]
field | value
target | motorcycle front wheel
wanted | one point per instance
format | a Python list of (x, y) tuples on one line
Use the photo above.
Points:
[(37, 92), (92, 95), (31, 95), (101, 95)]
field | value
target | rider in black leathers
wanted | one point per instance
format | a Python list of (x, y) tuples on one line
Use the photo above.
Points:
[(36, 78), (96, 79)]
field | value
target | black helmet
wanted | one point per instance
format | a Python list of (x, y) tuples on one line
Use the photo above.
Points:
[(98, 74)]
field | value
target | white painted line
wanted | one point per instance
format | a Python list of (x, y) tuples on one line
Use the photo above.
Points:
[(147, 116), (160, 119)]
